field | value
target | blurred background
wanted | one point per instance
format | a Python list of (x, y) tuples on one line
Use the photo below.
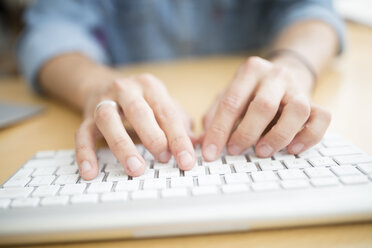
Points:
[(11, 25)]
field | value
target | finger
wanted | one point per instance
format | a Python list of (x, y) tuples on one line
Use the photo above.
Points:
[(170, 121), (187, 121), (109, 123), (312, 132), (142, 119), (295, 113), (260, 113), (231, 106), (84, 149)]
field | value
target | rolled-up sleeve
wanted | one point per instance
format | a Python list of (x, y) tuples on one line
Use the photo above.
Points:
[(57, 27), (286, 12)]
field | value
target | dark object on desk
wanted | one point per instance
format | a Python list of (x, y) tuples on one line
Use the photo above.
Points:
[(11, 113)]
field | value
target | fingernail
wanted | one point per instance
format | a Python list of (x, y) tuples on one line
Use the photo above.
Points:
[(265, 150), (133, 164), (185, 159), (164, 157), (85, 167), (297, 148), (210, 152), (234, 149)]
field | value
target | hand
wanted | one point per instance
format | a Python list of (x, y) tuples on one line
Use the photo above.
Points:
[(143, 100), (261, 92)]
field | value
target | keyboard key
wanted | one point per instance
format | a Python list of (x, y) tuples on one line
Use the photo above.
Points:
[(23, 172), (88, 198), (170, 164), (155, 183), (270, 165), (54, 201), (149, 173), (39, 163), (70, 153), (295, 184), (209, 180), (291, 174), (44, 171), (144, 194), (254, 158), (204, 190), (101, 187), (322, 161), (265, 186), (4, 203), (234, 188), (196, 171), (324, 182), (175, 192), (114, 167), (73, 189), (15, 192), (335, 143), (41, 180), (67, 179), (365, 168), (115, 176), (25, 202), (181, 182), (98, 179), (345, 170), (235, 159), (359, 179), (283, 155), (67, 170), (219, 169), (105, 156), (318, 172), (261, 176), (235, 178), (334, 151), (297, 163), (45, 154), (114, 197), (310, 153), (47, 190), (169, 172), (353, 159), (127, 185), (17, 182), (218, 161), (245, 167)]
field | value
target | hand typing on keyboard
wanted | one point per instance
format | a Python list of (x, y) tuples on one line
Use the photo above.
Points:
[(261, 92)]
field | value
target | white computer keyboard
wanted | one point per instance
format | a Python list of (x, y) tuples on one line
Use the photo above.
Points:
[(52, 178)]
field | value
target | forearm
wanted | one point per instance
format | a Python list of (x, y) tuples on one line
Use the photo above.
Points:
[(314, 40), (70, 77)]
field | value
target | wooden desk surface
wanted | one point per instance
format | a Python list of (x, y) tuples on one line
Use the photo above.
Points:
[(345, 89)]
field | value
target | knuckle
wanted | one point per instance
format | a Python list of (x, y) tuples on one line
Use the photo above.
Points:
[(253, 62), (135, 108), (302, 106), (324, 114), (264, 104), (219, 130), (166, 113), (280, 137), (120, 143), (243, 136), (148, 80), (156, 143), (231, 103), (178, 141)]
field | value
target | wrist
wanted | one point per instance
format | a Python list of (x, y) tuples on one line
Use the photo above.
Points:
[(303, 76)]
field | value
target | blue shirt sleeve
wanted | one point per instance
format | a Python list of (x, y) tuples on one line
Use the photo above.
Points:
[(283, 13), (56, 27)]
